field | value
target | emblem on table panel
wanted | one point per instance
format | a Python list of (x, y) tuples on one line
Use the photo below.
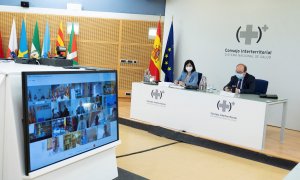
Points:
[(225, 106), (157, 94), (250, 34)]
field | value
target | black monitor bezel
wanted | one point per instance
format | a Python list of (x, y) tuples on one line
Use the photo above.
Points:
[(25, 120)]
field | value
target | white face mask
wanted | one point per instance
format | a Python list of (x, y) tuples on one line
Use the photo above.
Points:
[(239, 76), (188, 68)]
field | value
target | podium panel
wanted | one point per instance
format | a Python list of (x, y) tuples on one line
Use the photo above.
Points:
[(239, 121), (99, 163)]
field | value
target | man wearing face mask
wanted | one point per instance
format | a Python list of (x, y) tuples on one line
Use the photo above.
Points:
[(189, 76), (242, 82)]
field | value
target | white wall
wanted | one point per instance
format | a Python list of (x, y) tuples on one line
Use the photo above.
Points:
[(83, 13), (203, 29)]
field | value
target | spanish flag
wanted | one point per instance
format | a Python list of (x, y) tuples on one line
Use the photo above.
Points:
[(60, 38), (155, 63)]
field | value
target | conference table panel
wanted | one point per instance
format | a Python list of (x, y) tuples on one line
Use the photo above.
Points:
[(236, 120), (2, 111)]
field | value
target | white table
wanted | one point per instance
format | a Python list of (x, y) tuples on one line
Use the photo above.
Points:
[(11, 136), (240, 121)]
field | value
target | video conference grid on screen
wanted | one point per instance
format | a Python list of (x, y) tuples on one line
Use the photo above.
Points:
[(68, 118)]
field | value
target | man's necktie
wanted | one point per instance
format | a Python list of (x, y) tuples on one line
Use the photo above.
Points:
[(239, 84)]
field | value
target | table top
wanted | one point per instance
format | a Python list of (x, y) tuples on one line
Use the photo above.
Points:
[(251, 97), (255, 97), (10, 67)]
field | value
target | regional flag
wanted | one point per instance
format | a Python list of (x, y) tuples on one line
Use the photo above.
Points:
[(13, 44), (35, 46), (46, 43), (168, 59), (23, 50), (1, 47), (155, 63), (72, 49), (60, 38)]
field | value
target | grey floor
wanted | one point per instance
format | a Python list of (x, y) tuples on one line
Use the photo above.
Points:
[(124, 175)]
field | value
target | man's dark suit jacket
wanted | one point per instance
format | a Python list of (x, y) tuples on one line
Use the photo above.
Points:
[(248, 86)]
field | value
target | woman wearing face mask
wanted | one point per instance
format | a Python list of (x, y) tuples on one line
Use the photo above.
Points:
[(189, 76)]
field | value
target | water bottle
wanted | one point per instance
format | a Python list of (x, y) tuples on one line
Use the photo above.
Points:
[(203, 84), (147, 75)]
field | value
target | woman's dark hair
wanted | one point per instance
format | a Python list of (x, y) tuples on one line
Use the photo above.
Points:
[(189, 62)]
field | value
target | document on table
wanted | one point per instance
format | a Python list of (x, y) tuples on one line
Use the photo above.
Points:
[(176, 86), (227, 94)]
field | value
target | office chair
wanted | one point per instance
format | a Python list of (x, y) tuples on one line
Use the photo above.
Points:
[(261, 86)]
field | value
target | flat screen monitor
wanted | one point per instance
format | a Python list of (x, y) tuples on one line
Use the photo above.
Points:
[(67, 113)]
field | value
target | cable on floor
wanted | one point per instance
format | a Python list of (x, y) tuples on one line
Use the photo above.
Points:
[(146, 150)]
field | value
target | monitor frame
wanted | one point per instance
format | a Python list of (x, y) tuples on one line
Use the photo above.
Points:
[(25, 121)]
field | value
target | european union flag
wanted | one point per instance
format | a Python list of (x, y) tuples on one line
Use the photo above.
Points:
[(168, 61)]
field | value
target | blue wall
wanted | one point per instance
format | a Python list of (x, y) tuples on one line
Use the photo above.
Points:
[(148, 7)]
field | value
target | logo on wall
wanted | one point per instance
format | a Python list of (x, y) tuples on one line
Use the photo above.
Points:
[(157, 94), (225, 106), (250, 34), (247, 35)]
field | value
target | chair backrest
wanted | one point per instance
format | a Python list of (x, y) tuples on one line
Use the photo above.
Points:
[(261, 86), (199, 78)]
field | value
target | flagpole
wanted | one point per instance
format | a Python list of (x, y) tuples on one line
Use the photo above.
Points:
[(160, 54)]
